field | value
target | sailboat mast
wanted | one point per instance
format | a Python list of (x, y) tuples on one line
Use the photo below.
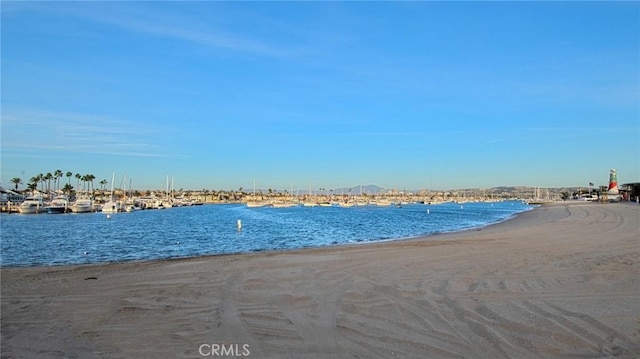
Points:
[(167, 186), (113, 178)]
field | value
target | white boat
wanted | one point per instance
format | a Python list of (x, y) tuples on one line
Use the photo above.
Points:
[(132, 206), (382, 203), (258, 204), (129, 204), (254, 203), (111, 207), (82, 206), (180, 201), (31, 205), (284, 204), (58, 205)]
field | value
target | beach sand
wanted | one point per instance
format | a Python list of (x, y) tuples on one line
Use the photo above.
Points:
[(562, 280)]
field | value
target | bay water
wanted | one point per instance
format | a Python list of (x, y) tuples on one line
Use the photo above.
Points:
[(82, 238)]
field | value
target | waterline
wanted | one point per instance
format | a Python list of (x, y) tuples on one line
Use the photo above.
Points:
[(29, 240)]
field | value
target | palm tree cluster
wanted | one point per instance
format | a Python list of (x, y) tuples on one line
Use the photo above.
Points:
[(42, 179)]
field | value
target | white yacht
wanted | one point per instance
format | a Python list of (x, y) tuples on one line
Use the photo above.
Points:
[(258, 204), (82, 206), (111, 207), (132, 206), (32, 205), (59, 204)]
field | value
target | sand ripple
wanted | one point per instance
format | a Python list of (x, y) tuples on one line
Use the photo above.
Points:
[(560, 281)]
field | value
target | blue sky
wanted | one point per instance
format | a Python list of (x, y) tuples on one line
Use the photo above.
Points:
[(328, 94)]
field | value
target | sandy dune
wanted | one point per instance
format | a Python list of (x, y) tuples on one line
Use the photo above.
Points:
[(560, 281)]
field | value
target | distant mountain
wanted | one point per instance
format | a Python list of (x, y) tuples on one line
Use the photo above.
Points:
[(368, 189), (510, 188)]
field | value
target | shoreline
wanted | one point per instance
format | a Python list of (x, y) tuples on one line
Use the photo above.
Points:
[(432, 236), (558, 280)]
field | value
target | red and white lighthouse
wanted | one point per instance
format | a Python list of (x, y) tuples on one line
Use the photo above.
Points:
[(613, 182)]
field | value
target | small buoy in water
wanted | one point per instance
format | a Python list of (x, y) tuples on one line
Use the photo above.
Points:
[(427, 211), (85, 253), (461, 207), (108, 216), (177, 242), (239, 224)]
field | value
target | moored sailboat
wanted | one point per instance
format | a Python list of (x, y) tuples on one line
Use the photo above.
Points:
[(112, 206)]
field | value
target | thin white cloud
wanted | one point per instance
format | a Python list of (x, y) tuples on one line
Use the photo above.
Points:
[(36, 130), (151, 19), (494, 141), (214, 38)]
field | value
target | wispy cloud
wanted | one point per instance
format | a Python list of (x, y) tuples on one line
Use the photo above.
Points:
[(212, 38), (490, 142), (164, 21), (36, 130)]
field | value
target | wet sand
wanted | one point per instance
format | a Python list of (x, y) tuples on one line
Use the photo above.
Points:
[(560, 281)]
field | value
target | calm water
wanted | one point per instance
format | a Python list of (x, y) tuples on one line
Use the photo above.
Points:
[(52, 239)]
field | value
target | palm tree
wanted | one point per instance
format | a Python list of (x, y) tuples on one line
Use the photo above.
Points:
[(90, 179), (69, 174), (67, 189), (33, 184), (16, 181), (78, 177), (48, 178), (57, 174), (84, 182), (41, 180), (102, 184)]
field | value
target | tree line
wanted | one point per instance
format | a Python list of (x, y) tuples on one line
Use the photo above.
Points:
[(43, 181)]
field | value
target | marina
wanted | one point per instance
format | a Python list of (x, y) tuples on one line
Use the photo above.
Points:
[(82, 238), (188, 179)]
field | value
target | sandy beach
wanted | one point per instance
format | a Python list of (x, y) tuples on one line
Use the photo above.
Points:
[(562, 280)]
